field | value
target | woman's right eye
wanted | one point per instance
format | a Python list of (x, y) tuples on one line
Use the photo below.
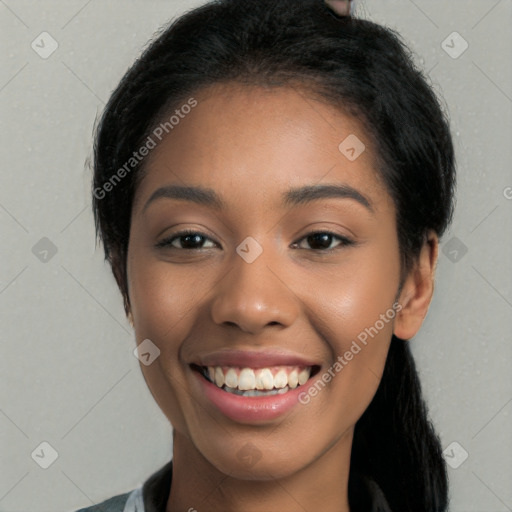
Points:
[(187, 239)]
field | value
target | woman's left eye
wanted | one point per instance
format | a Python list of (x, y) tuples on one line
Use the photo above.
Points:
[(323, 240), (318, 240)]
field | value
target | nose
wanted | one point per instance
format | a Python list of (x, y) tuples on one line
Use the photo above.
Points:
[(254, 295)]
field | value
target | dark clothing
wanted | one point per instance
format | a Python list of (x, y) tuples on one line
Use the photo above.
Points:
[(367, 495)]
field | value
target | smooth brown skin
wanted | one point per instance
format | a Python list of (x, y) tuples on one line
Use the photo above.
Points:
[(250, 145)]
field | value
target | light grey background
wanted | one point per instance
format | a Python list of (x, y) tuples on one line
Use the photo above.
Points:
[(68, 373)]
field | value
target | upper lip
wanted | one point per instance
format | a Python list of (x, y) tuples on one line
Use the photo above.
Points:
[(254, 359)]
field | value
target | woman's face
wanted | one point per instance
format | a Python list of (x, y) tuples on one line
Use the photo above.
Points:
[(261, 295)]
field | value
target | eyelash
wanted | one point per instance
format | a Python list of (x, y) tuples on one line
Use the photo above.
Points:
[(166, 243)]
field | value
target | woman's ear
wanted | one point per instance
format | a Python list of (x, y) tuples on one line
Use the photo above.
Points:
[(417, 290)]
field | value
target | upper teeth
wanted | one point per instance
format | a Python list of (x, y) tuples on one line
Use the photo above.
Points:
[(262, 378)]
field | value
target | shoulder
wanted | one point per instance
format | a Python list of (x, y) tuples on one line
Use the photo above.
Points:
[(114, 504)]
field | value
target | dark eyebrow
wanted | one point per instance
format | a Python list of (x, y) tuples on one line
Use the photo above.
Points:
[(293, 197), (308, 193), (198, 195)]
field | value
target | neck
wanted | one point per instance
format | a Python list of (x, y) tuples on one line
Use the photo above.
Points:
[(197, 485)]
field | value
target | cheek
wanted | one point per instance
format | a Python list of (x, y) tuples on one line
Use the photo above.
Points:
[(163, 311), (353, 310), (163, 300), (353, 296)]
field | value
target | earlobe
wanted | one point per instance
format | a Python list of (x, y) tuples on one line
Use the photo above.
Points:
[(417, 290)]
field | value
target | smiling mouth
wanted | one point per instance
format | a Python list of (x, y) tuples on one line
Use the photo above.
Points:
[(249, 382)]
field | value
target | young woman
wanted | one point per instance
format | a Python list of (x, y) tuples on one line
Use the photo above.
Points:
[(271, 180)]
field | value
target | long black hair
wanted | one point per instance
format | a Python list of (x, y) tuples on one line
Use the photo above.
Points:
[(366, 71)]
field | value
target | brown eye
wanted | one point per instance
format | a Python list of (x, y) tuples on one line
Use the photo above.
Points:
[(189, 240), (322, 240)]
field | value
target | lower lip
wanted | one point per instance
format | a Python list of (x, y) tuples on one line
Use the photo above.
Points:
[(249, 409)]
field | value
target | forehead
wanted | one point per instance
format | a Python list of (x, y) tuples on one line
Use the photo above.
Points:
[(253, 143)]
